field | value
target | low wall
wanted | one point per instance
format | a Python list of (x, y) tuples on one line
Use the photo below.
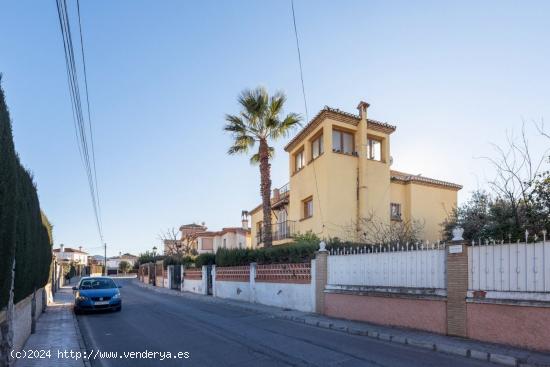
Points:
[(193, 285), (428, 314), (233, 290), (22, 320), (287, 295), (518, 325)]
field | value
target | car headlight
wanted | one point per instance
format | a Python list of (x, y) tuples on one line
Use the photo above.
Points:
[(116, 296), (81, 298)]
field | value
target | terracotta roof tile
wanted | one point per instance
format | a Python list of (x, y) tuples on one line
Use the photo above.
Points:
[(408, 177)]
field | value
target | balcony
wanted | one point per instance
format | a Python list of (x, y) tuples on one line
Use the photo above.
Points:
[(279, 231), (280, 196)]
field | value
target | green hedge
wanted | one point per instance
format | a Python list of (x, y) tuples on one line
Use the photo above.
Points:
[(8, 185), (205, 259), (23, 233), (302, 249)]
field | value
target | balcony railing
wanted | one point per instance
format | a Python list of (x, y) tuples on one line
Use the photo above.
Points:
[(279, 231)]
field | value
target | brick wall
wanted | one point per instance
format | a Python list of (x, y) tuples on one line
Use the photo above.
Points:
[(284, 273), (457, 289), (233, 273)]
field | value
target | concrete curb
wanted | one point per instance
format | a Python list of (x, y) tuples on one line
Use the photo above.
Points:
[(81, 342), (502, 359)]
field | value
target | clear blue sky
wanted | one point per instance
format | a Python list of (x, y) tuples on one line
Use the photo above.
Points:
[(162, 74)]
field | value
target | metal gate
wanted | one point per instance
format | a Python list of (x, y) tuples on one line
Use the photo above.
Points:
[(176, 277)]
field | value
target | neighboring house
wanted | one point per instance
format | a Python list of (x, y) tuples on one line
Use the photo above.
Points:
[(96, 260), (71, 255), (114, 262), (339, 168), (231, 238), (187, 241)]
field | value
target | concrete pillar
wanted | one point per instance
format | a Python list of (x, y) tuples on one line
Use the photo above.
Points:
[(457, 287), (204, 279), (252, 282), (182, 277), (214, 280), (321, 277)]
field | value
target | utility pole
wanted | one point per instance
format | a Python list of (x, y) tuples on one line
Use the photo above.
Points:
[(105, 261)]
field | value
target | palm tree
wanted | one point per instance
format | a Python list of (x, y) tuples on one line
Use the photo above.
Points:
[(260, 122)]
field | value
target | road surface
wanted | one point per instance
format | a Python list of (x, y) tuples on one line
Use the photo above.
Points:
[(223, 335)]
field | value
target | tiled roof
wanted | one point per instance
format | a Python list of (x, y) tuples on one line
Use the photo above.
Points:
[(408, 177), (68, 249), (340, 116)]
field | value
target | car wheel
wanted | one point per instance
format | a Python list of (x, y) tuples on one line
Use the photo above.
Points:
[(77, 311)]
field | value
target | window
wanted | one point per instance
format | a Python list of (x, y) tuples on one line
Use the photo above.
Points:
[(374, 149), (342, 142), (395, 211), (224, 243), (299, 161), (317, 147), (308, 208)]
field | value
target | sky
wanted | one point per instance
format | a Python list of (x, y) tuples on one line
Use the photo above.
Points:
[(454, 77)]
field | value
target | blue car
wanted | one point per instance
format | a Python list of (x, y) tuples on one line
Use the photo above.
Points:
[(96, 293)]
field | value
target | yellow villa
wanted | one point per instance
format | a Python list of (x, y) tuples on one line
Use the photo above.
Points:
[(339, 166)]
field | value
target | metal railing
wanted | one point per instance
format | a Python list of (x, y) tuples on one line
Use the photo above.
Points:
[(509, 267), (418, 265), (279, 231)]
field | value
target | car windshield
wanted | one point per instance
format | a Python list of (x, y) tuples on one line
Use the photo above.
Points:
[(97, 284)]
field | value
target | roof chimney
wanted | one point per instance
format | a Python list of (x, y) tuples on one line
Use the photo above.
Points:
[(244, 219), (362, 107), (276, 194), (80, 248), (62, 248)]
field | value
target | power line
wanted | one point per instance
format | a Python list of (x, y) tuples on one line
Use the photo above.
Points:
[(88, 107), (305, 105), (299, 58), (76, 106)]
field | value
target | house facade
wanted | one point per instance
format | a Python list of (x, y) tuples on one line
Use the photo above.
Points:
[(230, 238), (114, 262), (341, 180), (199, 238), (68, 254)]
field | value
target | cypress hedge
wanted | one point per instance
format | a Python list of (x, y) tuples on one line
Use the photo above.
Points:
[(23, 232), (8, 174)]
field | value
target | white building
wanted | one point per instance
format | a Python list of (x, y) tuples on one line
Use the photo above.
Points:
[(114, 262), (67, 254), (231, 238)]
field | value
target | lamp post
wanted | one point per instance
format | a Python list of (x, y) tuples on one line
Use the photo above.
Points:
[(155, 265)]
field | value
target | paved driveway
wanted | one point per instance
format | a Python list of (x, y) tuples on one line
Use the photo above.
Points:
[(223, 335)]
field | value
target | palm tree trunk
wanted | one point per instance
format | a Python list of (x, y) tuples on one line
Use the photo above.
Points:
[(265, 190)]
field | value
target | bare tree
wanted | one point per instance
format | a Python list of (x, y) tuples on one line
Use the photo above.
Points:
[(184, 244), (375, 231), (516, 169)]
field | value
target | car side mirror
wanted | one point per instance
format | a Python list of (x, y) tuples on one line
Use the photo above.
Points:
[(75, 288)]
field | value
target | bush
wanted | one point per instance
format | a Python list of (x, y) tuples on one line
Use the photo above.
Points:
[(205, 259), (177, 260)]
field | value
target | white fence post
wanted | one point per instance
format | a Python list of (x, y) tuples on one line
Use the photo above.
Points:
[(213, 280), (252, 282)]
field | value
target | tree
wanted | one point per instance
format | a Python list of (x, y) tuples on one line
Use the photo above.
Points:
[(260, 122), (124, 266), (178, 245), (380, 232)]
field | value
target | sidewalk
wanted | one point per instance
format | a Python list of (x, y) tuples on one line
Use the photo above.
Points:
[(500, 354), (56, 330)]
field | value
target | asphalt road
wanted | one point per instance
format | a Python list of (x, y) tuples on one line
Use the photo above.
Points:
[(223, 335)]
